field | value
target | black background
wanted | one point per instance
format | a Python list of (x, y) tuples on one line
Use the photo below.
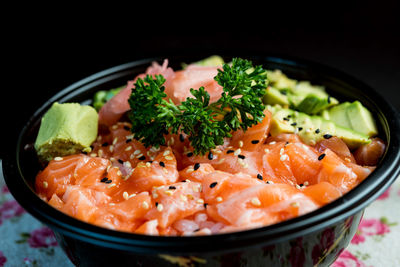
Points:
[(49, 51)]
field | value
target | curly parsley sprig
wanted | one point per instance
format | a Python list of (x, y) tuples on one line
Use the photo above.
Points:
[(205, 123)]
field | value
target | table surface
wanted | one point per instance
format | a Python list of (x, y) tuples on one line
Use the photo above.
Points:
[(27, 242)]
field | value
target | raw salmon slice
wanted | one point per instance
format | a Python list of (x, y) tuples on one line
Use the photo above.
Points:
[(370, 154)]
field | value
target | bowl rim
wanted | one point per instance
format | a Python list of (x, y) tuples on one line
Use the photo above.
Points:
[(340, 209)]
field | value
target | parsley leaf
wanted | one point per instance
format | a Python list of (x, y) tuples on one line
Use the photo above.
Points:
[(206, 124)]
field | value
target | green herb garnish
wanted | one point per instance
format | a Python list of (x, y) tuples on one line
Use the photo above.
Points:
[(205, 123)]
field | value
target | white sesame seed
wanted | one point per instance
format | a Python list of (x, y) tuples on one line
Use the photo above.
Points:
[(115, 140), (114, 127), (306, 183), (200, 201), (127, 164), (284, 157), (183, 198), (137, 152), (189, 170), (148, 164), (128, 148), (111, 204), (93, 155), (58, 158), (111, 185), (145, 205), (125, 195), (266, 150), (131, 136), (237, 152), (155, 195), (132, 195), (298, 186), (281, 151), (169, 158), (99, 138), (165, 170), (139, 156), (166, 152), (100, 152), (45, 184), (219, 199), (255, 201), (119, 173), (112, 159), (111, 148), (240, 143), (160, 207), (272, 143)]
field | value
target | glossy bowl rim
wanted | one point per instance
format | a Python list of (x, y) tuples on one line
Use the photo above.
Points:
[(342, 208)]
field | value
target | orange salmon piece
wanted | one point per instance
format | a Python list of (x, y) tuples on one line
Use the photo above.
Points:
[(148, 228), (196, 175), (58, 174), (322, 193), (338, 146), (335, 171), (148, 175), (255, 136), (370, 154), (175, 202)]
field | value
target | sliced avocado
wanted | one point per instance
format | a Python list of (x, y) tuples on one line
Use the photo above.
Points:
[(212, 61), (325, 114), (354, 116), (339, 115), (313, 128), (66, 129), (361, 119), (301, 96), (274, 96)]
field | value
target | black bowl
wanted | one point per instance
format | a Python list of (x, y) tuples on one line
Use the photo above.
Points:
[(314, 238)]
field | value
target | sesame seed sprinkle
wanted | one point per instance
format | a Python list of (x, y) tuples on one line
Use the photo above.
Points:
[(241, 156), (128, 148), (142, 158), (105, 144), (321, 156), (125, 195), (45, 184), (169, 158), (58, 158), (259, 176), (210, 156), (212, 185), (160, 207), (145, 205), (103, 180), (255, 142), (272, 143), (111, 185), (237, 152), (115, 140), (255, 201), (219, 199), (196, 166), (230, 151), (189, 154), (162, 164), (166, 152), (240, 143)]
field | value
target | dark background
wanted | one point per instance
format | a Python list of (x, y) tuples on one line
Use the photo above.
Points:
[(49, 52)]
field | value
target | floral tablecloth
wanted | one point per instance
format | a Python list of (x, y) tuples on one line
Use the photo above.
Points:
[(24, 241)]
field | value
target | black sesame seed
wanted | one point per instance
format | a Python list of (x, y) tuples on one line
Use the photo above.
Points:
[(212, 185), (286, 143), (104, 180), (255, 141), (241, 156), (156, 204), (184, 181), (300, 128), (286, 119), (196, 166), (189, 154), (317, 131), (127, 128), (321, 156), (210, 156), (84, 152), (162, 164), (294, 124), (150, 161), (329, 99), (289, 116), (171, 187), (301, 185), (108, 181), (120, 161), (104, 144), (198, 229), (327, 136), (181, 138), (230, 151), (283, 92), (205, 205), (128, 140), (142, 158), (259, 176)]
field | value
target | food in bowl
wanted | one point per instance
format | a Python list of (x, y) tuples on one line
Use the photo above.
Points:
[(249, 148)]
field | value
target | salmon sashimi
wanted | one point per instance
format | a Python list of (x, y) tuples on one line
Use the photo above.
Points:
[(251, 180), (370, 154)]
